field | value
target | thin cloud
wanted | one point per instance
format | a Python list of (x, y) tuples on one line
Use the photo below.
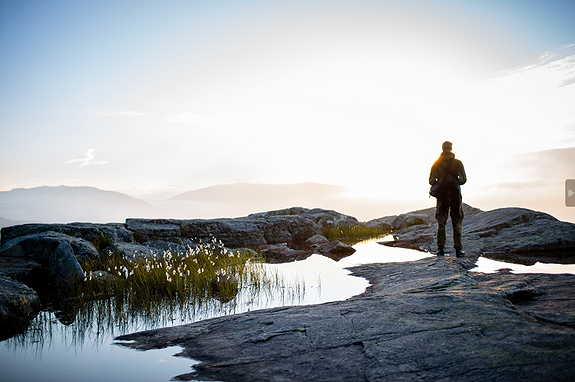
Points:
[(88, 158), (556, 54)]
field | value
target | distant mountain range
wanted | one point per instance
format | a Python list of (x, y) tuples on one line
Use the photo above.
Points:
[(241, 199), (66, 204), (254, 193)]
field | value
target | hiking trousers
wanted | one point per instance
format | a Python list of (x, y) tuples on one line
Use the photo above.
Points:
[(452, 205)]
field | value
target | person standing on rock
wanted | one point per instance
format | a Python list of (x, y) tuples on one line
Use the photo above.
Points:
[(448, 174)]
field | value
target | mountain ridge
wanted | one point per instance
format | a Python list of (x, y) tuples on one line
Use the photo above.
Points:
[(60, 204)]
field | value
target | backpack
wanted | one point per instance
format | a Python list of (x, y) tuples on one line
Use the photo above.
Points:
[(441, 189)]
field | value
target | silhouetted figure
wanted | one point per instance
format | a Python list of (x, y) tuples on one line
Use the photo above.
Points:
[(449, 173)]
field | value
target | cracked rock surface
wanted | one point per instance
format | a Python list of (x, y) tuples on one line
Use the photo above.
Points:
[(428, 320)]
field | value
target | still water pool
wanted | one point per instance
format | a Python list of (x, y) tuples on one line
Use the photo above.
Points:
[(52, 351)]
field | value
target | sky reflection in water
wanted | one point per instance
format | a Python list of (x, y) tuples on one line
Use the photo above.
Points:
[(60, 355)]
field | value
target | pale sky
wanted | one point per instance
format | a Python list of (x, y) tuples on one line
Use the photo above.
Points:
[(154, 98)]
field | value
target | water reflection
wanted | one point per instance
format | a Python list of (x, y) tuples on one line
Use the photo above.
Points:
[(66, 344), (485, 265), (58, 348)]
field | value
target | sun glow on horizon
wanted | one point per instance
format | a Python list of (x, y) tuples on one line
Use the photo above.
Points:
[(358, 94)]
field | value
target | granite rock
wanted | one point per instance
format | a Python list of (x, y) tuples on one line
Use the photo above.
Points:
[(423, 320), (18, 305)]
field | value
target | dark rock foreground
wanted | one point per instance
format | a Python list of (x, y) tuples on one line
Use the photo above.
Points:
[(37, 257), (427, 320), (431, 320)]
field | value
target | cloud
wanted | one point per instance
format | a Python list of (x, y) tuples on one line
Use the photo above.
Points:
[(529, 108), (555, 164), (88, 158), (556, 54), (197, 119)]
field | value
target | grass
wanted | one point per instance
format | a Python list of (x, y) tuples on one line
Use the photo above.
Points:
[(167, 288), (356, 232)]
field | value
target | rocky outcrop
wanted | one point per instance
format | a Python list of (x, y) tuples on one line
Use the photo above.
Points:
[(42, 254), (429, 319), (97, 234), (59, 246), (16, 301), (293, 225), (423, 320), (40, 246), (23, 269), (517, 232)]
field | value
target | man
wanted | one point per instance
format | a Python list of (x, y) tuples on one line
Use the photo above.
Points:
[(450, 172)]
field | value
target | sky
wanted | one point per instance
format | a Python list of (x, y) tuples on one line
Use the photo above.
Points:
[(155, 98)]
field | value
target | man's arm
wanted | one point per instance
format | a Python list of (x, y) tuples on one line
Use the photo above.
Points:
[(461, 177), (432, 175)]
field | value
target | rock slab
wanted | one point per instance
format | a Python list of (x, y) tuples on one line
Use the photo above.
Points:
[(425, 320)]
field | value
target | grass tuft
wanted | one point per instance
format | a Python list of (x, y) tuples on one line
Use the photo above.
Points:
[(356, 232), (169, 287)]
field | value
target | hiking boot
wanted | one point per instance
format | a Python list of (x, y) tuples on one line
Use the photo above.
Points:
[(440, 252), (459, 252)]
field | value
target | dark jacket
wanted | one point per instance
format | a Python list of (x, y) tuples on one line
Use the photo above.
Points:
[(456, 172)]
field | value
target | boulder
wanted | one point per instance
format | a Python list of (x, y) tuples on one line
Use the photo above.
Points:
[(282, 253), (420, 217), (135, 252), (411, 219), (40, 246), (18, 305), (336, 248), (317, 239), (97, 234), (322, 218), (288, 228), (64, 267), (381, 223), (232, 232), (256, 229), (520, 230)]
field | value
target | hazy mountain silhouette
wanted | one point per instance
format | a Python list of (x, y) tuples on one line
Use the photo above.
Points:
[(65, 204), (241, 199), (262, 194)]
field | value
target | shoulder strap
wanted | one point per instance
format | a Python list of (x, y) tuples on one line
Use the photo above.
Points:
[(446, 170)]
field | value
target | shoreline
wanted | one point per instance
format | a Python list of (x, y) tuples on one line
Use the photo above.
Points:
[(429, 318), (422, 319)]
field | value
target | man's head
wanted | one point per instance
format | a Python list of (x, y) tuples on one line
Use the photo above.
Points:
[(446, 146)]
